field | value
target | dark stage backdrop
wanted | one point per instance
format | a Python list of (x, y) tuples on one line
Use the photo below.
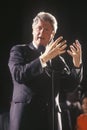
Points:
[(15, 26)]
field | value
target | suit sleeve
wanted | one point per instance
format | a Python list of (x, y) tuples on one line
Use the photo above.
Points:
[(21, 70)]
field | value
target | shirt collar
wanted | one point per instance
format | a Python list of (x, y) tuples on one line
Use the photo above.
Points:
[(35, 45)]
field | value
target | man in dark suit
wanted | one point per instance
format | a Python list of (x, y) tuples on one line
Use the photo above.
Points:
[(36, 69)]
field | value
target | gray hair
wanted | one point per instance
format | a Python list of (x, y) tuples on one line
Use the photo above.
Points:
[(46, 17)]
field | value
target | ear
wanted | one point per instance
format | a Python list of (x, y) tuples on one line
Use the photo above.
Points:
[(52, 35)]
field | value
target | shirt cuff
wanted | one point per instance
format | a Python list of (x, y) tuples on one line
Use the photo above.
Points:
[(43, 64)]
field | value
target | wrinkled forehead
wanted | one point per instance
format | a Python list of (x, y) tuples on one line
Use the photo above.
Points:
[(43, 24)]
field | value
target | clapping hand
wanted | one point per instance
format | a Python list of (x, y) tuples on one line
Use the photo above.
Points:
[(54, 49), (76, 53)]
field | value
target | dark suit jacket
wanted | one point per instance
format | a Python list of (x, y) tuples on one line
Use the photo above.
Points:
[(29, 78)]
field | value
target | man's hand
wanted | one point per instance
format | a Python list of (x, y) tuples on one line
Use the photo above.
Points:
[(76, 53), (54, 49)]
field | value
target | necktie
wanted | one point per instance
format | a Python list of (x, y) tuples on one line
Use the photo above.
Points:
[(41, 49)]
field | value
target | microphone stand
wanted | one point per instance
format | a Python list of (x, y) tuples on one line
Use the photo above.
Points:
[(56, 110), (53, 100)]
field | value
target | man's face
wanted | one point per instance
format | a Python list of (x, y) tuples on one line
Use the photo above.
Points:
[(42, 33), (84, 105)]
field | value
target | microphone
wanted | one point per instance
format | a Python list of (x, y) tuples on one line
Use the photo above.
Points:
[(66, 68)]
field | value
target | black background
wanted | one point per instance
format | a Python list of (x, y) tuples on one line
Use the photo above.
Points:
[(15, 26)]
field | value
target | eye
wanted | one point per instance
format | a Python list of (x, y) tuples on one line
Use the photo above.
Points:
[(46, 29)]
